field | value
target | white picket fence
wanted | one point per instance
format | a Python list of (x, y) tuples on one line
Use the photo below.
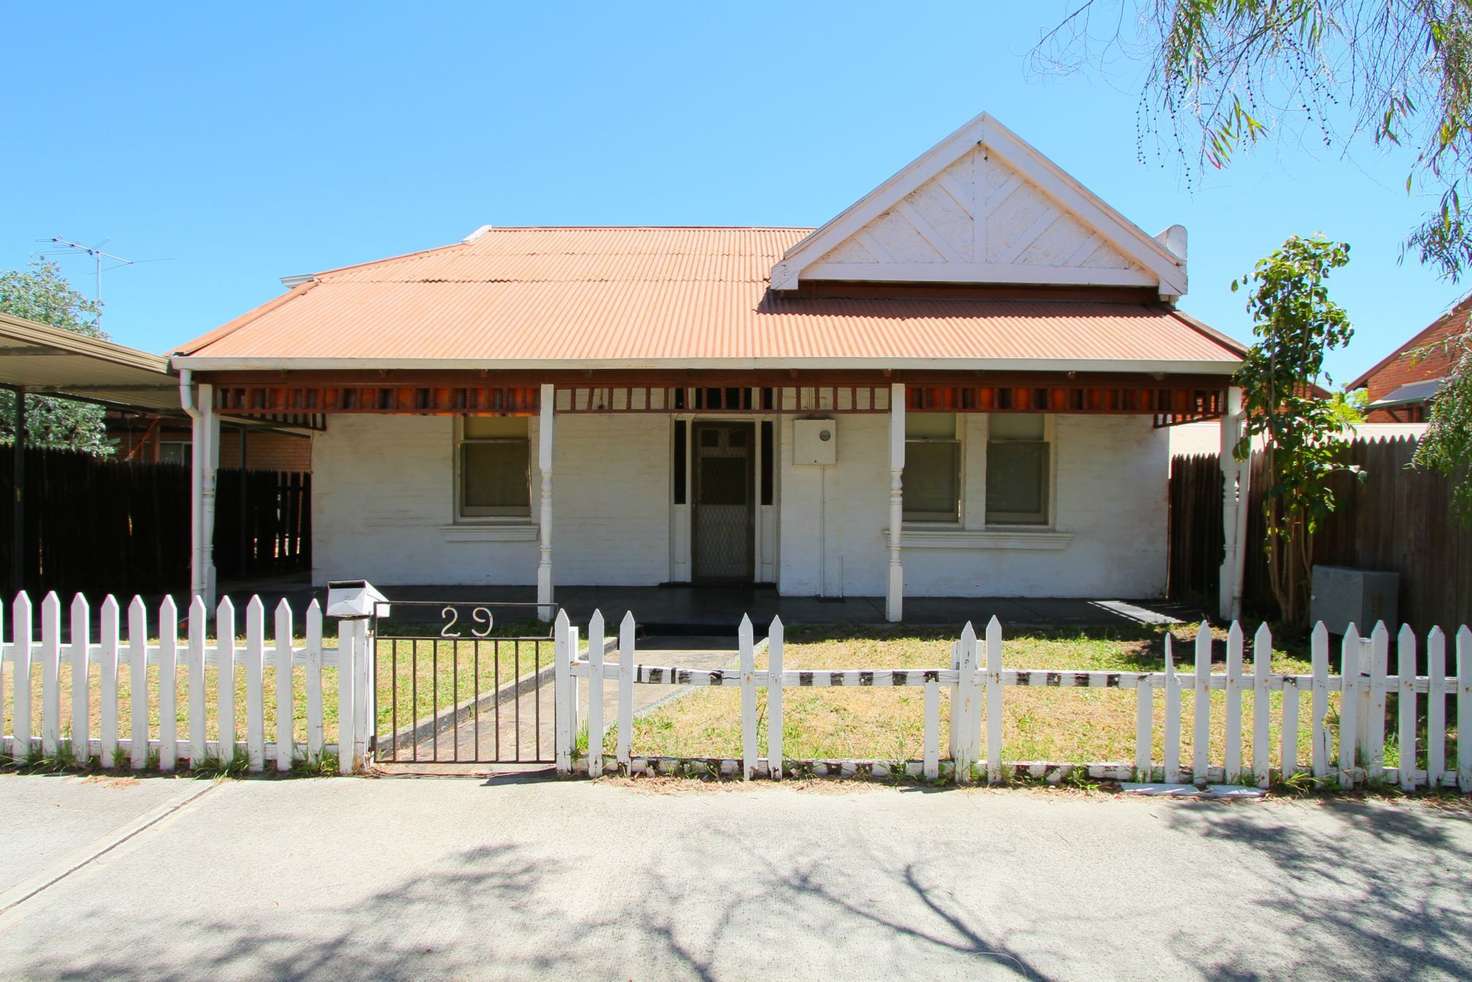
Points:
[(193, 656), (976, 678)]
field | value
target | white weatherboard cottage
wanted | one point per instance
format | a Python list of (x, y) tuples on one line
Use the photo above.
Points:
[(960, 386)]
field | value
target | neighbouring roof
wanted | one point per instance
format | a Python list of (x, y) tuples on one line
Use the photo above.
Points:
[(1409, 394), (1449, 323), (49, 361), (675, 297)]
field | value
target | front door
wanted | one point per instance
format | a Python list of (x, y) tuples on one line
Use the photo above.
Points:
[(724, 516)]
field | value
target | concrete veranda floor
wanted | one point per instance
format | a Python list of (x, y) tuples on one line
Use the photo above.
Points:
[(400, 878), (718, 610)]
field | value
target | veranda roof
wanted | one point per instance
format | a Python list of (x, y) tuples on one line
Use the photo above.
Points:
[(647, 297), (49, 361)]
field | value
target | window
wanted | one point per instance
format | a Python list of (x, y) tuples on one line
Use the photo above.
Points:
[(1017, 470), (932, 484), (175, 452), (495, 467)]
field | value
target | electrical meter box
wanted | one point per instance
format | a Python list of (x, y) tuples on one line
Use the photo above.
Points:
[(815, 441), (1343, 596)]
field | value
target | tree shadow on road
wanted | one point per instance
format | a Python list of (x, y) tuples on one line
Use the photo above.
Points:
[(1353, 887)]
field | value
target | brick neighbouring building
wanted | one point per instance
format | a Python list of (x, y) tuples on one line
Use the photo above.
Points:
[(1400, 386), (160, 440)]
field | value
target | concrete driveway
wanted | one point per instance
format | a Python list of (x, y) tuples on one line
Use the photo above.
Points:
[(401, 878)]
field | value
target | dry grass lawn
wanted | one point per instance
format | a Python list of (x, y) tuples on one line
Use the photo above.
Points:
[(1054, 724)]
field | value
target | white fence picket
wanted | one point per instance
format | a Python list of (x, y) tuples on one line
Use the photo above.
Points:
[(255, 689), (198, 625), (168, 681), (21, 634), (930, 767), (775, 684), (225, 678), (561, 687), (138, 683), (994, 700), (1435, 707), (626, 660), (1375, 717), (346, 703), (595, 695), (107, 680), (285, 701), (81, 679), (1232, 766), (1319, 701), (1172, 717), (50, 675), (1144, 710), (1262, 658), (965, 708), (748, 698), (315, 736), (1350, 655), (1288, 735), (1201, 738), (1405, 650), (1464, 706)]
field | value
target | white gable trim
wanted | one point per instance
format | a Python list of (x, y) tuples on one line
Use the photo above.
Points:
[(1158, 265)]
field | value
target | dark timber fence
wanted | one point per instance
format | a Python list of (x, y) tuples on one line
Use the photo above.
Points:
[(1396, 519), (103, 525)]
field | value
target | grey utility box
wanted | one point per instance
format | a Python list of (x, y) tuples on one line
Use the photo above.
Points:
[(1343, 596)]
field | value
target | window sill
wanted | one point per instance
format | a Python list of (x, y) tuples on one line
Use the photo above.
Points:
[(951, 537), (490, 532)]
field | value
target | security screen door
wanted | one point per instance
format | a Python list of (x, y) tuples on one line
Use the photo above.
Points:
[(724, 516)]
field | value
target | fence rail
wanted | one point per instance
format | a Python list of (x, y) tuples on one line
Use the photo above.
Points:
[(1349, 750), (155, 649)]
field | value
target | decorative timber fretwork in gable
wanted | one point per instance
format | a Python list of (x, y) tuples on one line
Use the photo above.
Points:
[(982, 206)]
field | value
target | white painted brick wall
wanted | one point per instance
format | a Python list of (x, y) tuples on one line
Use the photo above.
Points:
[(1111, 494), (383, 497)]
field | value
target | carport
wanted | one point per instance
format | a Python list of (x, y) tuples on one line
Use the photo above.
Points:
[(37, 359)]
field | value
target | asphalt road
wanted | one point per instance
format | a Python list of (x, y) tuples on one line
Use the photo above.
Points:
[(413, 878)]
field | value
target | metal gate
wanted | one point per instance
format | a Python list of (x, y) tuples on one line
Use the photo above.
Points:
[(724, 515), (460, 682)]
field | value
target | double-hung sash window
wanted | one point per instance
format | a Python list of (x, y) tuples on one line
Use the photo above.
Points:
[(1017, 469), (932, 481), (494, 463)]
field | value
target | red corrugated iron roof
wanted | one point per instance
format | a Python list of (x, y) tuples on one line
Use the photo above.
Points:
[(678, 297)]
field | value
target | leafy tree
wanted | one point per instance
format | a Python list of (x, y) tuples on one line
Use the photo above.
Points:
[(1225, 75), (1446, 446), (1295, 324), (42, 294), (1349, 407)]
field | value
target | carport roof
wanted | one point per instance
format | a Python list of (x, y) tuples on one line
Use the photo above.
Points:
[(49, 361)]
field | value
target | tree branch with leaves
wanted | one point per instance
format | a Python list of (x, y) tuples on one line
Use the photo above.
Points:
[(1296, 324)]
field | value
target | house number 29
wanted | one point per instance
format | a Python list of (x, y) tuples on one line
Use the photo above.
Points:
[(480, 615)]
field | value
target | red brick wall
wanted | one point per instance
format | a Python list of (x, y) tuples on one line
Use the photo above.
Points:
[(265, 451), (1399, 369)]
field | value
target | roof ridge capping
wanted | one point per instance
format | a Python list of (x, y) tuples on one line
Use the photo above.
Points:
[(1161, 257)]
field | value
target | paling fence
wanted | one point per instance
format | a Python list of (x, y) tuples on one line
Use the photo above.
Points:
[(151, 697), (99, 524), (1348, 740), (1389, 516)]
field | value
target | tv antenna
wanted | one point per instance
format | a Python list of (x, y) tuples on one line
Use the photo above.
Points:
[(100, 260)]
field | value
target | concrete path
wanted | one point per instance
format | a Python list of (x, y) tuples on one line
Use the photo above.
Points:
[(414, 878), (521, 728)]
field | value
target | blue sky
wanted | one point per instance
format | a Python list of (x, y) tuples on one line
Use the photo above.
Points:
[(241, 144)]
